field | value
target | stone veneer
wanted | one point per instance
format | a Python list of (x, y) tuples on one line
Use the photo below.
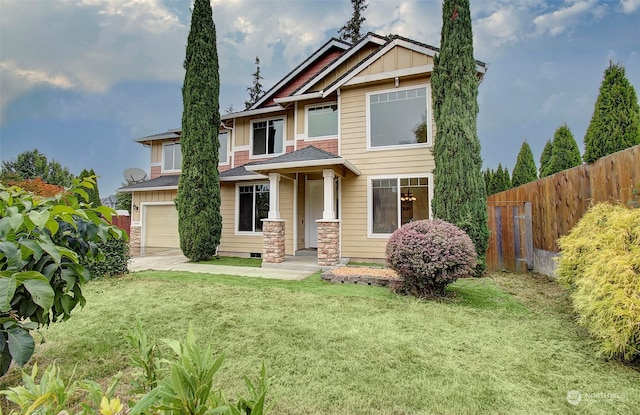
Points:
[(273, 240), (328, 242), (134, 239)]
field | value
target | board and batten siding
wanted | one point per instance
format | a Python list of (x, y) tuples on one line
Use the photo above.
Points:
[(232, 243), (393, 162), (343, 68)]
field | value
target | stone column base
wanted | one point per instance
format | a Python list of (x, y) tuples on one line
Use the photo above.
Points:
[(135, 239), (328, 242), (273, 246)]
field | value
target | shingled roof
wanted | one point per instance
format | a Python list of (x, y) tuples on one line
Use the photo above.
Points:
[(168, 181)]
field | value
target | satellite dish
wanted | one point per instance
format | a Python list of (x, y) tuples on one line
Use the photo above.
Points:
[(134, 175)]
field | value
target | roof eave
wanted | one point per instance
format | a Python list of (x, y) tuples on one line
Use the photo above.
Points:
[(305, 163), (146, 189), (245, 177)]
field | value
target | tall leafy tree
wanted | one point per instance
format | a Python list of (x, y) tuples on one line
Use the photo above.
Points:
[(564, 153), (545, 158), (198, 201), (255, 90), (351, 31), (94, 194), (459, 192), (525, 169), (31, 164), (615, 124)]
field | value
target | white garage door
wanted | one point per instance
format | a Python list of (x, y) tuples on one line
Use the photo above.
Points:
[(161, 226)]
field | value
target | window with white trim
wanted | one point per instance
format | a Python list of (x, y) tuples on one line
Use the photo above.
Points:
[(223, 151), (172, 157), (253, 206), (267, 137), (398, 117), (398, 201), (322, 121)]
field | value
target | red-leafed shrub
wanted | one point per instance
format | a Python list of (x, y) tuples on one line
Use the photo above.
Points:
[(37, 186), (429, 255)]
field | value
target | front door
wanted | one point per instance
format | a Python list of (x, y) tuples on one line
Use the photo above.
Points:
[(314, 207)]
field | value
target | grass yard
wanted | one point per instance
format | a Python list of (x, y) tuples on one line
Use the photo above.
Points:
[(505, 344)]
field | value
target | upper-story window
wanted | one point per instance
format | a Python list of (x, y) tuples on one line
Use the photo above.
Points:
[(398, 117), (172, 157), (322, 120), (267, 137), (223, 151)]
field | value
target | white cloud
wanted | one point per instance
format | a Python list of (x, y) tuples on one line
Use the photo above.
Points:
[(87, 45), (564, 19), (630, 6)]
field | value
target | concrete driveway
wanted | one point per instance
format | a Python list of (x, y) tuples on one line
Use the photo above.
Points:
[(174, 261)]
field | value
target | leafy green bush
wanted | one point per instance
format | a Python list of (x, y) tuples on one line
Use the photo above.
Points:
[(600, 263), (115, 261), (182, 385), (43, 242), (185, 384), (429, 255)]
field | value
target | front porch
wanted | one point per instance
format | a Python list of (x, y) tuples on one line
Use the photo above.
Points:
[(321, 225)]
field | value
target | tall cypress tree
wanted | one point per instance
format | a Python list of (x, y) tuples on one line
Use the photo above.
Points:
[(525, 168), (94, 194), (615, 124), (198, 201), (564, 153), (459, 192), (501, 180), (488, 181), (545, 158)]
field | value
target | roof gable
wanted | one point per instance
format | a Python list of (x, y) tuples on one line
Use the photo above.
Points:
[(300, 74)]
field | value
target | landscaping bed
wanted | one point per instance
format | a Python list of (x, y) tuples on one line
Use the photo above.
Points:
[(381, 277)]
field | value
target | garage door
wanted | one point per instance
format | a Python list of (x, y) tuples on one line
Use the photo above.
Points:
[(161, 226)]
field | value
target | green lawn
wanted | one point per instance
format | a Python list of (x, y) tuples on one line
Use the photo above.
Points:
[(234, 261), (505, 344)]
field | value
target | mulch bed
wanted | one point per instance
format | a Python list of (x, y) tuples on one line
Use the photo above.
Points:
[(381, 277)]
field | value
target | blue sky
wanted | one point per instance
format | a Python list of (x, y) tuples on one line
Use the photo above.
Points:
[(79, 80)]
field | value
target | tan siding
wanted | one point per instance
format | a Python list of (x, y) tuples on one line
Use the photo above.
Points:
[(156, 151), (152, 196), (396, 59), (355, 242), (246, 244)]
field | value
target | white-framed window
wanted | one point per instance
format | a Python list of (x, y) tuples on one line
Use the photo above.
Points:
[(395, 201), (399, 117), (252, 207), (171, 157), (322, 120), (223, 151), (268, 136)]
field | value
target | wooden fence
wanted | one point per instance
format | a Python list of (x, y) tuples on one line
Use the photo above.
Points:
[(557, 204), (123, 222)]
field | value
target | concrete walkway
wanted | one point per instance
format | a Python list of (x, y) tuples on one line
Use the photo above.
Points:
[(172, 261)]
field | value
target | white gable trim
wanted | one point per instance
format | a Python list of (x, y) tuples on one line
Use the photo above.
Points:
[(342, 59), (297, 71), (416, 70)]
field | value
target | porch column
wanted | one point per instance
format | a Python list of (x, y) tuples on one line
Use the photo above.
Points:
[(274, 195), (273, 235), (329, 196), (328, 242), (273, 244)]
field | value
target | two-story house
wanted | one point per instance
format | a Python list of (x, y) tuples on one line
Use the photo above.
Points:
[(336, 156)]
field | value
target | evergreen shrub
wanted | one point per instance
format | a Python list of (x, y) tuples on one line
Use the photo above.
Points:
[(115, 262), (429, 255), (600, 262)]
